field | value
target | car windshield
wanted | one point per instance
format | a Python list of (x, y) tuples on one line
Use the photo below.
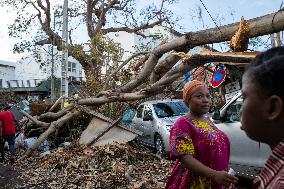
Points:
[(233, 111), (170, 109)]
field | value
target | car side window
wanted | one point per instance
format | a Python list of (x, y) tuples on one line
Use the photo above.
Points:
[(233, 111), (163, 110), (128, 115), (140, 111), (148, 111)]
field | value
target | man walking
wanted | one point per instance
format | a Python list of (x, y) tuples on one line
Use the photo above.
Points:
[(7, 132)]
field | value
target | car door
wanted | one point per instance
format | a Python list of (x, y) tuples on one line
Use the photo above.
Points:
[(246, 155), (148, 126), (137, 122)]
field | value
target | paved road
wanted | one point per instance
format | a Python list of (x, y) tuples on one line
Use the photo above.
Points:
[(244, 184), (9, 177)]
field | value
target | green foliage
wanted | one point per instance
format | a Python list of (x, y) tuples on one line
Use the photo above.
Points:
[(35, 24), (93, 85), (101, 47), (23, 46), (77, 51)]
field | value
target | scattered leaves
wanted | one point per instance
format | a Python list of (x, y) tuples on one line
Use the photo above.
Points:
[(115, 166)]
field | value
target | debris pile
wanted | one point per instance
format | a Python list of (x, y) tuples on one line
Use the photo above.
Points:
[(114, 166)]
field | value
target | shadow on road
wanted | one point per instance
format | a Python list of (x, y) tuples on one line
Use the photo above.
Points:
[(9, 177), (244, 183)]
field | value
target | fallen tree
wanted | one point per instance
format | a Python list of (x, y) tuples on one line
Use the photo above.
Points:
[(170, 72)]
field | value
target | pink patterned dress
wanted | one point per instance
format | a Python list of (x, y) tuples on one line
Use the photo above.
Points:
[(206, 143)]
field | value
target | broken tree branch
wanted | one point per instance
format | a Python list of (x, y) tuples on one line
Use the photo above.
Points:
[(195, 61), (53, 126), (121, 66), (165, 65), (58, 101), (34, 120), (52, 115)]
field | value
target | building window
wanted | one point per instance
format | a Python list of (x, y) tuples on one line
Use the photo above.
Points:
[(72, 67), (29, 83), (1, 84), (8, 84), (71, 78)]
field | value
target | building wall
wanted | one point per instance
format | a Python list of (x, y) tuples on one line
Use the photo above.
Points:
[(29, 69), (75, 69), (7, 73), (126, 41)]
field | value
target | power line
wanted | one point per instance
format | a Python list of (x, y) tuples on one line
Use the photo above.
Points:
[(212, 20), (210, 15)]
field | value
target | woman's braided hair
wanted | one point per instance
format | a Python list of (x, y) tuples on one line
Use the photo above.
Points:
[(267, 72)]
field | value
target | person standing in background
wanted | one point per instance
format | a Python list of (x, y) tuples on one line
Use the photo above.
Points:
[(7, 133)]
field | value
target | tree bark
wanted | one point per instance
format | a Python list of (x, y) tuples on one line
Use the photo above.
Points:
[(52, 115), (37, 122), (165, 65), (121, 66)]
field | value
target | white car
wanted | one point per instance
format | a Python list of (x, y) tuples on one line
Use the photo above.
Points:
[(154, 119), (247, 157)]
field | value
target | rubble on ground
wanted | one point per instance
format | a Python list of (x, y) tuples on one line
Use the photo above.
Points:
[(114, 166)]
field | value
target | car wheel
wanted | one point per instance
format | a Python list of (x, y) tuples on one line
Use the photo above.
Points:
[(159, 146)]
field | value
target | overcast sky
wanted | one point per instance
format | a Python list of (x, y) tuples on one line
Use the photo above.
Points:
[(222, 11)]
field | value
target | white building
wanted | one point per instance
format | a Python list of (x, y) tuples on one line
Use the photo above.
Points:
[(130, 41), (29, 68), (7, 74), (27, 73)]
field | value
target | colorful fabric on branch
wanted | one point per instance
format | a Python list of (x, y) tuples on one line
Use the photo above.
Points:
[(218, 76)]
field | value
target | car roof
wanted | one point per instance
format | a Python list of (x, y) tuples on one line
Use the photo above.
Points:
[(162, 101)]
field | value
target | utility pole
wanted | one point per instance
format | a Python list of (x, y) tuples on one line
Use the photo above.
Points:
[(52, 86), (64, 65)]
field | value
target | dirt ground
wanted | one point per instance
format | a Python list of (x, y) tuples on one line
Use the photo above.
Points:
[(9, 177), (37, 172)]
